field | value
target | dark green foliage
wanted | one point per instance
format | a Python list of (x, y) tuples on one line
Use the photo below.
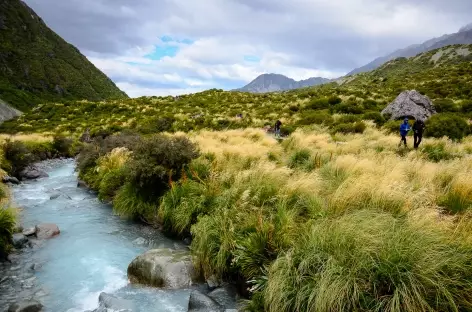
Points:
[(334, 100), (452, 126), (18, 156), (7, 226), (37, 65), (392, 126), (375, 117), (110, 184), (317, 118), (156, 162), (316, 104), (436, 152), (299, 158), (467, 106), (62, 145), (155, 125), (358, 127), (370, 104), (445, 105)]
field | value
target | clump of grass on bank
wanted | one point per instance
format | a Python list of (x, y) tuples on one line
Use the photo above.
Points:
[(317, 221)]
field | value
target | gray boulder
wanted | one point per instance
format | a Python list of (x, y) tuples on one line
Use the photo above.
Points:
[(164, 268), (108, 301), (11, 180), (19, 240), (47, 230), (226, 296), (26, 306), (32, 173), (410, 104), (29, 231), (201, 302)]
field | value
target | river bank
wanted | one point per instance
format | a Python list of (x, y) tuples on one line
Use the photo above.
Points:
[(90, 255)]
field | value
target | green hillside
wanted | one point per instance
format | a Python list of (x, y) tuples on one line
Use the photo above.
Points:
[(445, 75), (36, 65)]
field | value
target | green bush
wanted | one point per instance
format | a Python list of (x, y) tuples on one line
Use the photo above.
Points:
[(375, 117), (436, 152), (370, 104), (392, 126), (62, 145), (7, 227), (452, 126), (299, 158), (358, 127), (157, 161), (445, 105), (110, 184), (317, 118), (317, 104), (369, 261), (17, 155), (467, 106), (334, 100)]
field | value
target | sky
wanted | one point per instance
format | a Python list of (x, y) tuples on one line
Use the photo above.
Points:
[(171, 47)]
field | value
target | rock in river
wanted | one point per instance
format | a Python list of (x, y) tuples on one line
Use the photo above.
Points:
[(201, 302), (29, 231), (164, 268), (26, 306), (11, 180), (19, 240), (47, 230), (32, 173)]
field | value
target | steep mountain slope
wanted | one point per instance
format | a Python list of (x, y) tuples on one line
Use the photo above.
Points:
[(464, 36), (276, 82), (37, 65)]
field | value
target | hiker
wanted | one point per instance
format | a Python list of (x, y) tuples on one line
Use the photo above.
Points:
[(418, 128), (404, 128), (277, 128)]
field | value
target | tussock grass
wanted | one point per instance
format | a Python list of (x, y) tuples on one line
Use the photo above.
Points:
[(321, 222)]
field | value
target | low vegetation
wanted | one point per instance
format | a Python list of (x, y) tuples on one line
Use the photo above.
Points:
[(317, 221)]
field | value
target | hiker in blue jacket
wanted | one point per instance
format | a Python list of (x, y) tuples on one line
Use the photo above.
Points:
[(404, 128)]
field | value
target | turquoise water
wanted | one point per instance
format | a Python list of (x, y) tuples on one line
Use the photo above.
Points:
[(94, 248)]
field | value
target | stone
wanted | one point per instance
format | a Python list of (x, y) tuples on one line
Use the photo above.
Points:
[(140, 241), (200, 302), (33, 173), (11, 180), (111, 302), (226, 296), (81, 183), (54, 196), (47, 230), (411, 104), (29, 231), (164, 268), (187, 240), (19, 240), (26, 306), (213, 282)]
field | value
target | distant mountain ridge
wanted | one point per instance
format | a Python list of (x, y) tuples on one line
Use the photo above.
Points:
[(37, 65), (277, 82), (463, 36)]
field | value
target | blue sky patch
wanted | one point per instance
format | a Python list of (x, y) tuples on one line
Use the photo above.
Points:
[(162, 51), (252, 58)]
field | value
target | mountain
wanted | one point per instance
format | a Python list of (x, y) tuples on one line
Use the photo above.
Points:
[(276, 82), (37, 65), (463, 36)]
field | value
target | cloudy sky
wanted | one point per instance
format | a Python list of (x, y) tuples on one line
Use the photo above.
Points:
[(160, 47)]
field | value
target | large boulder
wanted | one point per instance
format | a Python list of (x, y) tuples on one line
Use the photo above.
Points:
[(410, 104), (227, 296), (201, 302), (107, 301), (11, 180), (166, 268), (32, 173), (47, 230), (26, 306)]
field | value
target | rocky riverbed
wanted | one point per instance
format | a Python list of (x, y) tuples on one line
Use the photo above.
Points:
[(74, 255)]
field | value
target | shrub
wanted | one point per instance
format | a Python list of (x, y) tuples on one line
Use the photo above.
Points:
[(299, 158), (467, 106), (316, 104), (436, 152), (375, 117), (62, 145), (358, 127), (157, 161), (129, 203), (17, 155), (317, 118), (7, 227), (370, 104), (334, 100), (392, 126), (449, 125), (369, 261), (445, 105), (111, 182)]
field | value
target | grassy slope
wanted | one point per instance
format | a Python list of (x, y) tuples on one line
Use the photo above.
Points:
[(450, 77), (36, 65), (314, 225)]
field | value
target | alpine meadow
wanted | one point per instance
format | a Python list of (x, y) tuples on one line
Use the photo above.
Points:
[(332, 215)]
